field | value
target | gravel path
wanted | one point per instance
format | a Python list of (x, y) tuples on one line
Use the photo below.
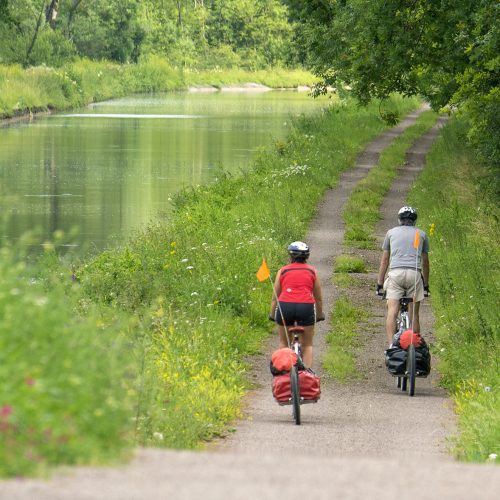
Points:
[(363, 440)]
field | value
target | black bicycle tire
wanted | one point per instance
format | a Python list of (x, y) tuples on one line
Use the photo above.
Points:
[(411, 369), (294, 387), (404, 381), (398, 382)]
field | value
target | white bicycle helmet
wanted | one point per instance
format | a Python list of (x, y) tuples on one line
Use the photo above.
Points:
[(298, 249), (407, 213)]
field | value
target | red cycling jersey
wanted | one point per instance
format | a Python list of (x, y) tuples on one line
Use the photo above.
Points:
[(297, 282)]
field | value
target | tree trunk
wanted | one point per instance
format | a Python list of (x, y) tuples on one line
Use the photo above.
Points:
[(179, 14), (51, 13), (71, 14), (35, 35)]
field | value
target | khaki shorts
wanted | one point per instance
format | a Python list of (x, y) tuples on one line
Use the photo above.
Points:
[(400, 283)]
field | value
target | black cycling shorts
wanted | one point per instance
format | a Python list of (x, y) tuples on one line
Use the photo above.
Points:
[(303, 314)]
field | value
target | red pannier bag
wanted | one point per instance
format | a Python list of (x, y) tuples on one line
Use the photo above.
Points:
[(309, 384)]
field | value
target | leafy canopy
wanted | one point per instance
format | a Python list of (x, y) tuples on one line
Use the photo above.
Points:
[(446, 51)]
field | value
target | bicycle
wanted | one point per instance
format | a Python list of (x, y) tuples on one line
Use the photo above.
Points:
[(412, 367), (404, 323), (296, 400)]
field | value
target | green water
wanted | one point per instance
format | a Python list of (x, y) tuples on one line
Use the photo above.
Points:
[(101, 173)]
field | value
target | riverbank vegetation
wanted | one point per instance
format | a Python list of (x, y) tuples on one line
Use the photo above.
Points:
[(177, 310), (82, 82), (459, 197), (62, 54)]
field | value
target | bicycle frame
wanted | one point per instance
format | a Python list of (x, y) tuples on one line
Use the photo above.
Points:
[(403, 321)]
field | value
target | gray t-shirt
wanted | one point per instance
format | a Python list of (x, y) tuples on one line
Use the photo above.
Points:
[(400, 242)]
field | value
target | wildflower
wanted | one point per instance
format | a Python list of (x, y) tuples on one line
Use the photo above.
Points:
[(190, 267), (158, 435), (5, 411), (432, 228), (184, 260), (487, 388), (30, 381), (193, 294), (492, 456)]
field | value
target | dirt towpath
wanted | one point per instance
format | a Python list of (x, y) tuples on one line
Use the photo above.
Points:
[(363, 440)]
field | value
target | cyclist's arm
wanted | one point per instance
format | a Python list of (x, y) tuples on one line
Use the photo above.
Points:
[(318, 297), (425, 268), (276, 294), (384, 264)]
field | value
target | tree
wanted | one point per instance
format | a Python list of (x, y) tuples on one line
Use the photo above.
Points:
[(446, 51)]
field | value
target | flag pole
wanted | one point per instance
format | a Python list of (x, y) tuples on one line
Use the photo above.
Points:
[(262, 274), (416, 244), (278, 305)]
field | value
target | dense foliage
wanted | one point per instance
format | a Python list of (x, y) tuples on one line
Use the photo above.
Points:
[(225, 33), (447, 51)]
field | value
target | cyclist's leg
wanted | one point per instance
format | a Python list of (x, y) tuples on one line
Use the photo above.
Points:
[(394, 290), (413, 310), (306, 317), (285, 308), (392, 314), (307, 346), (282, 336)]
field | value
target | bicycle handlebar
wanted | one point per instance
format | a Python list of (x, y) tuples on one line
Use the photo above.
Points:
[(321, 318)]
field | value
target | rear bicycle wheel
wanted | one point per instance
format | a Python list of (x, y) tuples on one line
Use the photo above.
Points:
[(294, 385), (411, 369)]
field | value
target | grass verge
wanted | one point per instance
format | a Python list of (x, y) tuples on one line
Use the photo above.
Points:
[(340, 359), (167, 321), (77, 84), (458, 200)]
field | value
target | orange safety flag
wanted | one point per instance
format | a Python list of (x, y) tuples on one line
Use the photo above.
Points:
[(263, 273), (416, 241)]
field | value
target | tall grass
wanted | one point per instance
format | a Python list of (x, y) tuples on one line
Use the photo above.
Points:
[(458, 201), (85, 81), (67, 374), (177, 310), (362, 211)]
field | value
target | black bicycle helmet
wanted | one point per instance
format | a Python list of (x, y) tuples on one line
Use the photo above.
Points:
[(298, 249), (408, 213)]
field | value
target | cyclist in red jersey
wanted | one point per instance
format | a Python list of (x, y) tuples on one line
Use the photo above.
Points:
[(298, 289)]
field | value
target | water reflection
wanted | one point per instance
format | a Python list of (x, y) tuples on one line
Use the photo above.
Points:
[(110, 168)]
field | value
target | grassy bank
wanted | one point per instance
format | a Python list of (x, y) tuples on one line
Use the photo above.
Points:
[(458, 198), (178, 309), (74, 85)]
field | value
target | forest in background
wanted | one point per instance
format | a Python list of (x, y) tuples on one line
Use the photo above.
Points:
[(249, 34)]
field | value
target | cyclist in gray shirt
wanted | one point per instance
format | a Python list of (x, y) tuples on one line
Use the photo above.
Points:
[(405, 252)]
